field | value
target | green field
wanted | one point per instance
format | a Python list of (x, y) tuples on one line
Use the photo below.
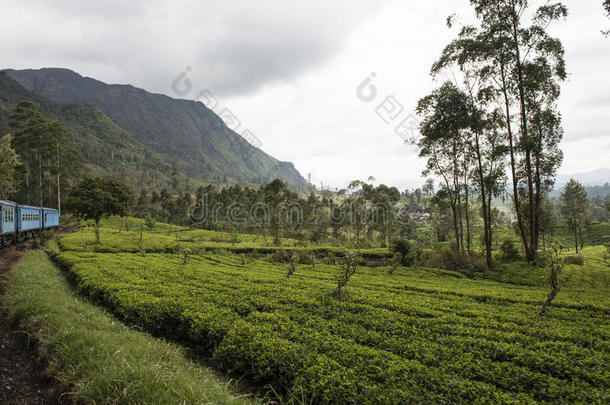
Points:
[(123, 235), (417, 335)]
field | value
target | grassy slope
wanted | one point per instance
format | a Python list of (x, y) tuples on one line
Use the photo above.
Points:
[(102, 360)]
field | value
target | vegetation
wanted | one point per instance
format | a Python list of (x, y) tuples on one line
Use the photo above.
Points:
[(94, 356), (509, 252), (465, 290), (501, 61), (555, 265), (575, 207), (406, 250), (47, 155), (9, 160), (418, 335), (95, 198)]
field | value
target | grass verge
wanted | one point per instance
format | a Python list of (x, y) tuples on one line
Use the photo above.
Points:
[(98, 359)]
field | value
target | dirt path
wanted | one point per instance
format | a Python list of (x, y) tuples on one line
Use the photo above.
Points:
[(22, 379)]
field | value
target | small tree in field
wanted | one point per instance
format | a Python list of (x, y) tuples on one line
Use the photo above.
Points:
[(406, 249), (395, 262), (291, 267), (186, 252), (347, 270), (575, 207), (555, 265), (149, 223), (94, 198), (509, 252)]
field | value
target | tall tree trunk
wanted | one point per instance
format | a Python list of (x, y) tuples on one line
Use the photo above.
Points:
[(458, 198), (455, 224), (40, 177), (531, 252), (537, 198), (27, 177), (485, 206), (575, 228), (513, 163), (467, 216)]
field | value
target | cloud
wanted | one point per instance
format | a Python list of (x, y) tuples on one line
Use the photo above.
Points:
[(233, 47), (289, 69)]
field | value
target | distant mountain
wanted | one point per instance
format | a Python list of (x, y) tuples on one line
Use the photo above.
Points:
[(595, 178), (183, 132), (106, 147)]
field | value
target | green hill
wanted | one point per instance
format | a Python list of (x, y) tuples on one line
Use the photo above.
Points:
[(106, 147), (181, 131)]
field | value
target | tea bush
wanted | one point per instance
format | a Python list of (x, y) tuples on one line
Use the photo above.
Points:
[(423, 335)]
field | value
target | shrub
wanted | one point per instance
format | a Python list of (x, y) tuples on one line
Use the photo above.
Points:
[(303, 257), (186, 252), (407, 250), (331, 258), (347, 270), (291, 268), (149, 223), (234, 238), (281, 256), (453, 259), (577, 260), (396, 260), (45, 236), (509, 252)]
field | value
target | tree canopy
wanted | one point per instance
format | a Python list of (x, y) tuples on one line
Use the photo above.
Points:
[(9, 160), (94, 198)]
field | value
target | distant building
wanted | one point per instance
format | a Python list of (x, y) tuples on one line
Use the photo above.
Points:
[(419, 217)]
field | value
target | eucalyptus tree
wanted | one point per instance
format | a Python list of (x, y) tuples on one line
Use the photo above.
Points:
[(428, 187), (355, 208), (275, 193), (606, 5), (46, 151), (512, 54), (23, 121), (575, 208), (445, 117), (9, 161)]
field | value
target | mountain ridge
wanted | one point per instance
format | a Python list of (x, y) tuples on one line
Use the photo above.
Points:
[(185, 132), (597, 177)]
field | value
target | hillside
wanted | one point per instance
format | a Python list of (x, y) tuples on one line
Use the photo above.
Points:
[(182, 131), (594, 178), (106, 148)]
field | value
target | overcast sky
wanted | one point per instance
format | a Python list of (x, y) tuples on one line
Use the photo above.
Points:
[(289, 70)]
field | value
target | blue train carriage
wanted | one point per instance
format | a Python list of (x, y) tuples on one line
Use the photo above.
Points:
[(8, 222), (29, 221), (50, 218)]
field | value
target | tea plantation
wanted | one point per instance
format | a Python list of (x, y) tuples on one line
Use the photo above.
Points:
[(416, 335)]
